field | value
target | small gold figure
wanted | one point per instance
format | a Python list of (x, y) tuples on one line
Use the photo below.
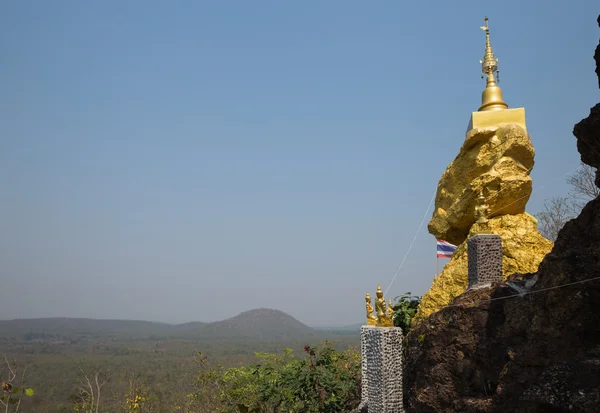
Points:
[(380, 305), (382, 318), (481, 210), (390, 311), (371, 319)]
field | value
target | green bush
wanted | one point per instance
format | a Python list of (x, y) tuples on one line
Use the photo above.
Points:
[(404, 310), (325, 380)]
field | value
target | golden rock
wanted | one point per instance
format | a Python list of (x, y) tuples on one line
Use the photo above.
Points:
[(494, 162), (523, 248), (485, 190)]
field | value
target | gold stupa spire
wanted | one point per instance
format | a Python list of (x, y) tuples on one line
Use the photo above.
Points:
[(491, 98)]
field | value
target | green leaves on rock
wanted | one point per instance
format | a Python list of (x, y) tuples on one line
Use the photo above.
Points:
[(404, 310)]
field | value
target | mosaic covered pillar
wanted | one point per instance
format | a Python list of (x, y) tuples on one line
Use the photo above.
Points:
[(381, 350), (485, 259)]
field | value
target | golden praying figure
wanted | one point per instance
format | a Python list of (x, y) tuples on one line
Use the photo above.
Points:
[(481, 210), (371, 319), (390, 311), (383, 320)]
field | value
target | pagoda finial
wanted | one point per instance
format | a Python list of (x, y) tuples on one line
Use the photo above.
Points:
[(489, 64), (491, 98)]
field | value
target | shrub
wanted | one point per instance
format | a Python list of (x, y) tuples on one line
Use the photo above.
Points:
[(404, 310), (325, 380)]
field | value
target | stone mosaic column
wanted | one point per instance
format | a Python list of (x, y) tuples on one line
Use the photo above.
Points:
[(364, 380), (382, 373), (485, 259)]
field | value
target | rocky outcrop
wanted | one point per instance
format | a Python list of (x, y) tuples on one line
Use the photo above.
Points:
[(523, 247), (493, 162), (597, 57), (491, 170), (587, 133), (529, 344), (496, 351)]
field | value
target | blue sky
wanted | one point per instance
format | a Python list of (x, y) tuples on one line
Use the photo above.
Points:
[(189, 160)]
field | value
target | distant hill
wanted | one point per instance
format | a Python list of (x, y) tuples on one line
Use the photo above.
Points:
[(191, 326), (352, 327), (259, 324), (40, 328)]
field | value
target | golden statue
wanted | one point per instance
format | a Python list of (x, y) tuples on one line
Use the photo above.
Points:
[(390, 311), (371, 319), (481, 210), (383, 320)]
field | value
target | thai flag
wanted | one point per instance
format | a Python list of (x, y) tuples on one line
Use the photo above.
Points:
[(445, 249)]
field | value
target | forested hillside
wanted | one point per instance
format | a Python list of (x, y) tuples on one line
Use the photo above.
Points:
[(158, 360)]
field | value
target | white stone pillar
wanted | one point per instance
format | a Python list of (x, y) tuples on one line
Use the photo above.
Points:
[(381, 350)]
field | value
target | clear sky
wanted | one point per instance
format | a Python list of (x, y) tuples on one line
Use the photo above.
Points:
[(189, 160)]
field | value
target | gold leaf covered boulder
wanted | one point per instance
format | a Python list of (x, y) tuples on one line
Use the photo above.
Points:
[(493, 163), (523, 248)]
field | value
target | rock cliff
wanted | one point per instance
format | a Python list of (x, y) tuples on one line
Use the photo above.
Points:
[(529, 344)]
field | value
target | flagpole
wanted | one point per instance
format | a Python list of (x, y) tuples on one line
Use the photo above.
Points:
[(437, 262), (437, 268)]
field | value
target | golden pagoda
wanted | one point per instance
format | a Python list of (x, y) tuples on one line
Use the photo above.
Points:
[(485, 189), (493, 110)]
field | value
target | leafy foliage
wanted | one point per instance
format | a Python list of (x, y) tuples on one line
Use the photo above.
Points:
[(325, 380), (11, 396), (404, 310), (12, 389)]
